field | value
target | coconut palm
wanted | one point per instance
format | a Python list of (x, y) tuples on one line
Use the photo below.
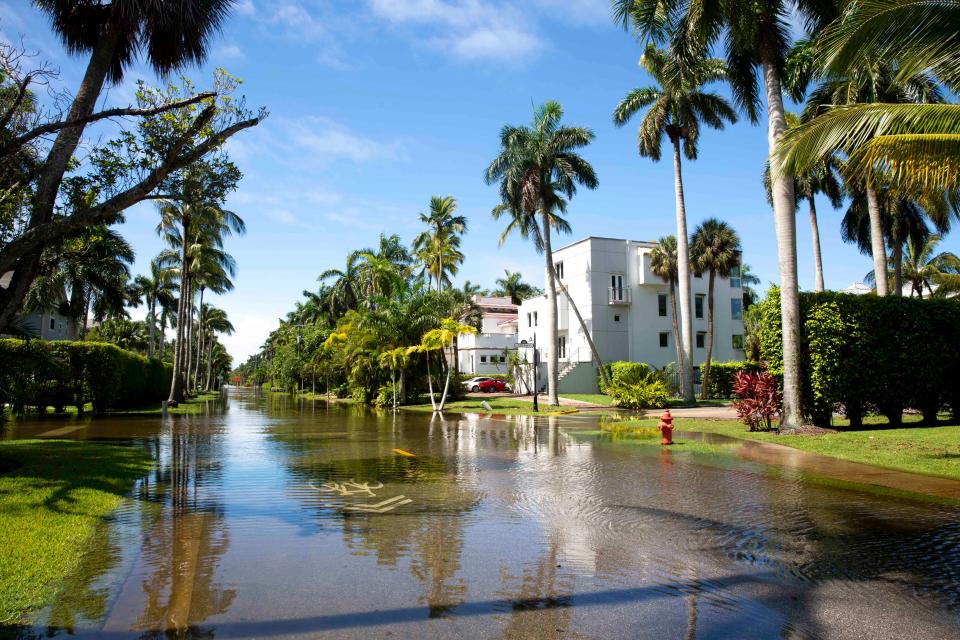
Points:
[(158, 288), (169, 35), (215, 322), (714, 250), (512, 286), (923, 268), (747, 281), (754, 35), (675, 107), (442, 339), (537, 166), (438, 248), (910, 147), (663, 263), (343, 292), (820, 179)]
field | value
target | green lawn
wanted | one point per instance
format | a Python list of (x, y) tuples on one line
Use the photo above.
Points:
[(500, 405), (53, 493), (595, 398), (926, 450)]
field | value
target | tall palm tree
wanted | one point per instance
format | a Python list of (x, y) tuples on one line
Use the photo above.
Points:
[(676, 105), (664, 264), (438, 248), (537, 166), (715, 250), (747, 281), (912, 148), (512, 286), (156, 288), (215, 322), (820, 179), (343, 292), (169, 35), (754, 35), (924, 267)]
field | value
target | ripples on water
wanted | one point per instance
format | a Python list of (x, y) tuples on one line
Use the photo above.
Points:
[(516, 528)]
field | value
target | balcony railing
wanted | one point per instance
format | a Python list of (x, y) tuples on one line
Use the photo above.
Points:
[(618, 295)]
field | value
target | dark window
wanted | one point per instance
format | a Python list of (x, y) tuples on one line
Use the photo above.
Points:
[(735, 277), (696, 375), (529, 319), (736, 308), (53, 324), (559, 269), (664, 339), (701, 338), (535, 319), (737, 341), (616, 318), (698, 305), (662, 305), (483, 358)]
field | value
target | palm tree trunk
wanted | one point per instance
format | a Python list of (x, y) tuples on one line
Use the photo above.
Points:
[(705, 381), (176, 384), (163, 333), (153, 327), (897, 268), (877, 247), (210, 363), (815, 236), (552, 364), (583, 328), (683, 277), (200, 336), (433, 402), (446, 386), (677, 340), (784, 205)]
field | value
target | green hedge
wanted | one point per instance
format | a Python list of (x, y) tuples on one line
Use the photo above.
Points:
[(59, 373), (720, 384), (869, 353)]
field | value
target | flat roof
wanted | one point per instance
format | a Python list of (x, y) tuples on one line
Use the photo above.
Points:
[(651, 243)]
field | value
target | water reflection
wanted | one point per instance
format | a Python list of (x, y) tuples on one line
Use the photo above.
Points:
[(516, 527)]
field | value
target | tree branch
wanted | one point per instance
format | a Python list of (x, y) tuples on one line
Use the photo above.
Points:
[(107, 211), (50, 127)]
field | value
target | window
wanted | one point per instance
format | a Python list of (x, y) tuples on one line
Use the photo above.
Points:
[(696, 376), (736, 308), (701, 339), (735, 277), (737, 341), (483, 359), (662, 305), (616, 317), (616, 287), (664, 339), (558, 267), (529, 319), (535, 318), (698, 305), (53, 323), (503, 358), (562, 347)]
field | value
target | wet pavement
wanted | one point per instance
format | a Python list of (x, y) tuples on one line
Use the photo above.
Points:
[(271, 518)]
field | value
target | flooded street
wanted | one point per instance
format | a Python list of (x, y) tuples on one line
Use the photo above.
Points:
[(270, 518)]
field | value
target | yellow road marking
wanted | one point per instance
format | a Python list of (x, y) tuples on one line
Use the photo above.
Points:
[(405, 453)]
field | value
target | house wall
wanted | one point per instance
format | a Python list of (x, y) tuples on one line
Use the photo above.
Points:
[(629, 331)]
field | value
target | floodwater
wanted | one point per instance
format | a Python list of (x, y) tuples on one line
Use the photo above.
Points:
[(270, 518)]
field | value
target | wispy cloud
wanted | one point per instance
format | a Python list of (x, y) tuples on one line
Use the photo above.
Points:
[(283, 217), (245, 8), (228, 52), (327, 141), (470, 29)]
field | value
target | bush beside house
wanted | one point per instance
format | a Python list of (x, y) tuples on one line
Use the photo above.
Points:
[(58, 374)]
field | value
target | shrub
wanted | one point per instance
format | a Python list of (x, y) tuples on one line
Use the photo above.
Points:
[(863, 352), (60, 373), (758, 399), (720, 384)]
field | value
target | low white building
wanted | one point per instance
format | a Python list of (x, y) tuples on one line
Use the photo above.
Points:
[(485, 353), (626, 308)]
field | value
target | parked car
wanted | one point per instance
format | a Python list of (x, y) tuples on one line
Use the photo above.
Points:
[(493, 385), (473, 384)]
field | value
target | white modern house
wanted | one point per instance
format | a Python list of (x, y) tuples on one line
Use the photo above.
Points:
[(626, 309), (484, 353)]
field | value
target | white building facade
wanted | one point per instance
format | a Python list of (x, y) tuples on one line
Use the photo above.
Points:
[(486, 352), (626, 309)]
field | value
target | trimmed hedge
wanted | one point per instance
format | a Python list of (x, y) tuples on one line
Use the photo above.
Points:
[(720, 384), (56, 374), (870, 354)]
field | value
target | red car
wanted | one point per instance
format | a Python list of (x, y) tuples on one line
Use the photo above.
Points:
[(493, 385)]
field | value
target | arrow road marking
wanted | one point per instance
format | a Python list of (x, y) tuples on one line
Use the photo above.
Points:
[(381, 507)]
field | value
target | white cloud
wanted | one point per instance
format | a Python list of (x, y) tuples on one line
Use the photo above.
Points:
[(297, 22), (283, 217), (228, 52), (329, 140), (471, 29), (245, 8), (251, 332)]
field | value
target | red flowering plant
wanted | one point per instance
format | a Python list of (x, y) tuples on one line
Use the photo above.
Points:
[(758, 399)]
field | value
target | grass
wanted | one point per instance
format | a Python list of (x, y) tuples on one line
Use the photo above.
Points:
[(53, 494), (595, 398), (500, 405), (192, 406), (925, 450)]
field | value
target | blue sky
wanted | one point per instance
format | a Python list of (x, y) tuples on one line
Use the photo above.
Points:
[(375, 105)]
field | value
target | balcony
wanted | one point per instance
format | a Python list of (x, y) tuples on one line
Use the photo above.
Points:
[(618, 296)]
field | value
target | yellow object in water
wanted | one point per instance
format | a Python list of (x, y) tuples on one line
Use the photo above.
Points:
[(405, 453)]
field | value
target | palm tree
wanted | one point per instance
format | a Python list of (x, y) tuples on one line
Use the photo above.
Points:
[(923, 267), (819, 179), (170, 35), (157, 288), (663, 264), (438, 248), (912, 148), (536, 167), (512, 286), (215, 322), (675, 107), (747, 282), (715, 250), (343, 293), (441, 339), (754, 34)]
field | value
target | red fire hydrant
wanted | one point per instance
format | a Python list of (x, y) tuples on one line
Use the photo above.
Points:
[(666, 428)]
